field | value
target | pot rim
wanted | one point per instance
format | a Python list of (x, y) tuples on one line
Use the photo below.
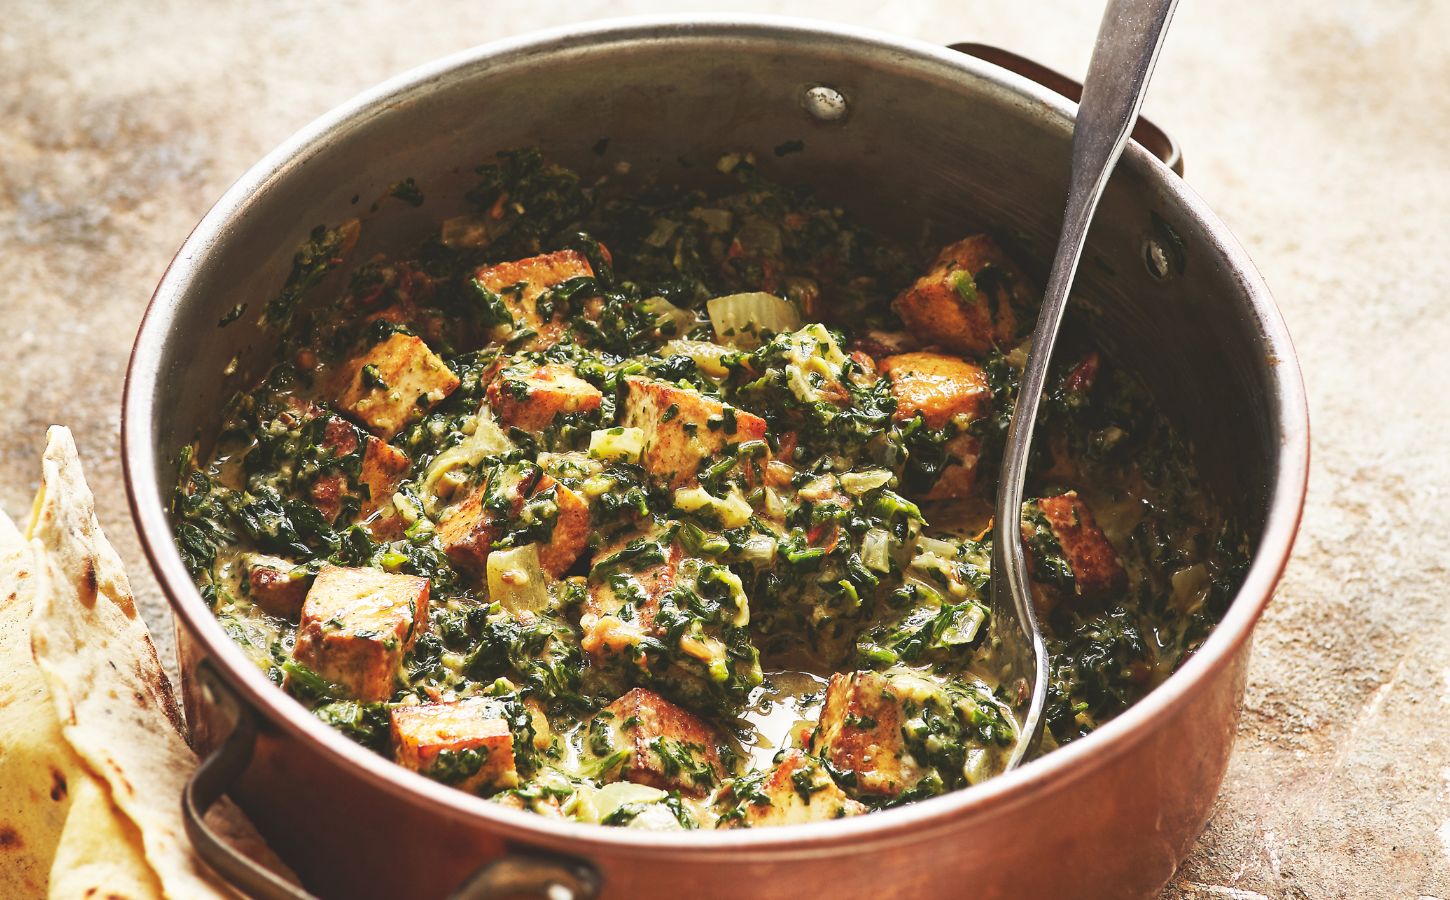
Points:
[(998, 795)]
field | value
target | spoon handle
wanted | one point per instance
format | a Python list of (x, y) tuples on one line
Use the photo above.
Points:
[(1128, 41)]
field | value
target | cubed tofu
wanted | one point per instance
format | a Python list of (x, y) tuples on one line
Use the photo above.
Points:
[(356, 626), (684, 428), (521, 283), (276, 585), (668, 747), (394, 383), (860, 733), (382, 468), (958, 477), (940, 388), (943, 390), (630, 575), (468, 531), (640, 618), (572, 527), (1096, 570), (796, 791), (466, 743), (340, 440), (531, 397), (970, 301)]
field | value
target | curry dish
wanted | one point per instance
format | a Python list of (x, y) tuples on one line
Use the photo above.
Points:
[(670, 509)]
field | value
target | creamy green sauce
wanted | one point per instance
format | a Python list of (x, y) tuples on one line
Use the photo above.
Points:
[(690, 447)]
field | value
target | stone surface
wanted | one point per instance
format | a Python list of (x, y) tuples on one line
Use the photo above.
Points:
[(1321, 133)]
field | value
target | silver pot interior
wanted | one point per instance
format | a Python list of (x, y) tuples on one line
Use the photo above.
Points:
[(928, 141)]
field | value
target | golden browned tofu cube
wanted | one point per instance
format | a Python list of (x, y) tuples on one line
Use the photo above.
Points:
[(383, 469), (684, 428), (796, 791), (959, 476), (1073, 535), (466, 743), (666, 746), (469, 530), (356, 626), (970, 301), (340, 439), (521, 283), (276, 585), (394, 383), (860, 733), (625, 587), (571, 528), (945, 391), (531, 397), (940, 388)]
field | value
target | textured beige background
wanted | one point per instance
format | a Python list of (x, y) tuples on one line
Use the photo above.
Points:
[(1321, 133)]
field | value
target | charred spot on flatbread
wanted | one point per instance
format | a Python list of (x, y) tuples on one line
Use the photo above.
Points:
[(90, 584), (58, 789), (10, 839)]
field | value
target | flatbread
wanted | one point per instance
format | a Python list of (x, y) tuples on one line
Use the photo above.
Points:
[(110, 695), (62, 835), (100, 853), (36, 764)]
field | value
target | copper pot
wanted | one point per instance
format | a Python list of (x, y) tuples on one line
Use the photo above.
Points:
[(906, 131)]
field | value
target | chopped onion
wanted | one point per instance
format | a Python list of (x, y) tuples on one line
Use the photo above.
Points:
[(876, 550), (814, 359), (1017, 356), (596, 486), (487, 439), (516, 580), (670, 320), (617, 443), (774, 506), (410, 510), (1190, 585), (937, 547), (731, 510), (616, 794), (711, 358), (655, 817), (740, 319), (966, 623), (860, 482), (758, 549), (818, 489), (978, 765)]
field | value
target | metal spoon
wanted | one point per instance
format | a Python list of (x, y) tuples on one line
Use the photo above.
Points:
[(1129, 38)]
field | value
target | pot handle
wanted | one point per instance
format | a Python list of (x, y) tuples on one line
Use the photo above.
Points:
[(520, 873), (1153, 139), (211, 780)]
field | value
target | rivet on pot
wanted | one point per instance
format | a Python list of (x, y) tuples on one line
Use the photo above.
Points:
[(1163, 250), (825, 104), (1156, 259)]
